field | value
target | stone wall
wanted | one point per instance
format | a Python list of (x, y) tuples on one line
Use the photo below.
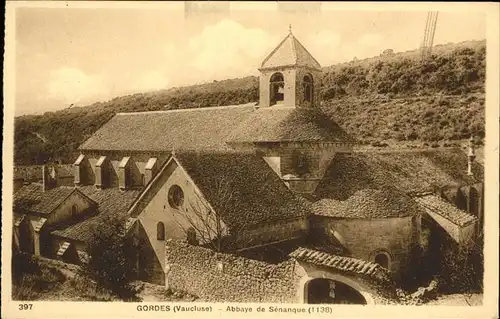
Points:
[(221, 277), (63, 214), (289, 76), (271, 232), (364, 239)]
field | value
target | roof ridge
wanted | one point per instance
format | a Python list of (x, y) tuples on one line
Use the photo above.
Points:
[(192, 109), (294, 48)]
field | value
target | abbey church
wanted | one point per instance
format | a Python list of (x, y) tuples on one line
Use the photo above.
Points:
[(269, 181)]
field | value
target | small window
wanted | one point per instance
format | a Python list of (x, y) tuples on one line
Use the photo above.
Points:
[(74, 210), (175, 196), (143, 179), (382, 259), (160, 231), (308, 88)]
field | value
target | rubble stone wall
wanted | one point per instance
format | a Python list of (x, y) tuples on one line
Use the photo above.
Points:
[(221, 277)]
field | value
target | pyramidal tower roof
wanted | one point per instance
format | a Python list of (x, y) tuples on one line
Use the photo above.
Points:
[(290, 52)]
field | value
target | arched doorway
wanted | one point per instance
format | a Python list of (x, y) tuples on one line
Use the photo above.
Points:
[(329, 291), (382, 260)]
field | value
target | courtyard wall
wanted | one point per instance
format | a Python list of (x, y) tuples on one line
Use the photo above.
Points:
[(221, 277)]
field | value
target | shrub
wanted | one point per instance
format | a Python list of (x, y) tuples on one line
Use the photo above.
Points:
[(111, 259), (462, 269)]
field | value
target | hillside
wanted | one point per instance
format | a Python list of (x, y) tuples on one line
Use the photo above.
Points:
[(393, 97)]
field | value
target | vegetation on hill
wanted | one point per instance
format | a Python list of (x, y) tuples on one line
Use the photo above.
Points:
[(391, 97)]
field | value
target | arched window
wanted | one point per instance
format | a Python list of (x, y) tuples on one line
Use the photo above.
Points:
[(160, 231), (74, 211), (308, 88), (382, 259), (277, 88), (143, 180)]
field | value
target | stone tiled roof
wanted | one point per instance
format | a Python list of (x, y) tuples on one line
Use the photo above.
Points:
[(32, 199), (368, 203), (190, 129), (434, 204), (242, 188), (111, 203), (342, 264), (290, 52), (281, 124), (206, 129), (409, 171)]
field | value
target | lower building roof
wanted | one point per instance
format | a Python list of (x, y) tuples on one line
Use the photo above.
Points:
[(242, 188), (32, 198), (342, 264), (367, 204), (409, 171), (112, 203), (434, 204)]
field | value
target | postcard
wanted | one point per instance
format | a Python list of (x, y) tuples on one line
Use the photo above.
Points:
[(279, 159)]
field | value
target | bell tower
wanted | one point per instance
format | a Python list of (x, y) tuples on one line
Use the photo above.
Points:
[(290, 76)]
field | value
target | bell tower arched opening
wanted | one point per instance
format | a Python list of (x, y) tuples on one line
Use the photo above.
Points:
[(277, 88), (308, 87)]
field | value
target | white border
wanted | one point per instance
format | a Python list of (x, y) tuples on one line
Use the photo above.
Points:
[(128, 310)]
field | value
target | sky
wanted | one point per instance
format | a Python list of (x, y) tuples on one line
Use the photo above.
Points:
[(69, 55)]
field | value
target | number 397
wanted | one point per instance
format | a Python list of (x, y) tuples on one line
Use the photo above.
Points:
[(25, 306)]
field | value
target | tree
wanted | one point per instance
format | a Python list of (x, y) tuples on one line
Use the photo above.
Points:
[(112, 258), (204, 226)]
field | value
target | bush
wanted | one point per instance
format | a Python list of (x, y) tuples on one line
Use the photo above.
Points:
[(111, 259), (462, 269)]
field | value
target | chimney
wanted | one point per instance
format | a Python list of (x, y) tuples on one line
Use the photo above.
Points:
[(79, 170), (101, 172), (471, 156), (150, 170), (124, 179), (47, 180), (54, 175)]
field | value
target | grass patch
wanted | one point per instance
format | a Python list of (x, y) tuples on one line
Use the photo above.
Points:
[(35, 279), (31, 279)]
